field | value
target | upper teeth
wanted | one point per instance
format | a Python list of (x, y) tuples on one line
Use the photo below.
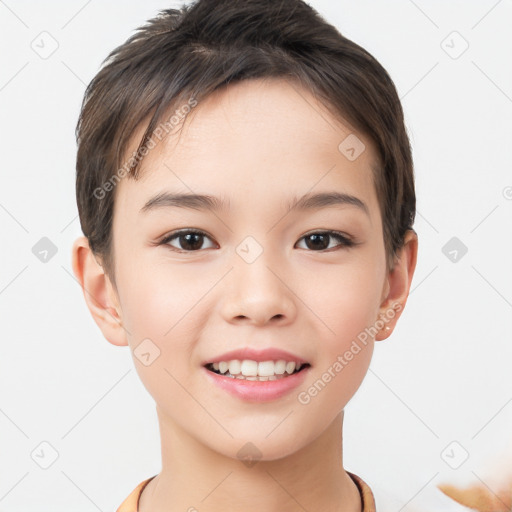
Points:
[(250, 368)]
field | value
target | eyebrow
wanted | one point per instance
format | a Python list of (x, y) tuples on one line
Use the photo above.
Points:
[(207, 202)]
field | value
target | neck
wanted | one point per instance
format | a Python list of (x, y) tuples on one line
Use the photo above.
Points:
[(195, 477)]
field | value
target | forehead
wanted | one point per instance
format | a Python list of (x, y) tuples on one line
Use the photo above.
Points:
[(270, 136)]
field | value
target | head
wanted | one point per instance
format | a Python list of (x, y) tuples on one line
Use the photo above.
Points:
[(259, 105)]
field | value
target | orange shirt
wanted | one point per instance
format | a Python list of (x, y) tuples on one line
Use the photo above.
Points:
[(131, 504)]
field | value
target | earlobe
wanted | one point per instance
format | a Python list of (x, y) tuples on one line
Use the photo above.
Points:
[(98, 292), (399, 282)]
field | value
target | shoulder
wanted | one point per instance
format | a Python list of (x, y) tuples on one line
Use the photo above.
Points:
[(367, 498), (131, 503)]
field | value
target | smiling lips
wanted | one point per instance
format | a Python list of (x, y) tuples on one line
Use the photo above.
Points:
[(261, 365), (253, 370), (257, 375), (251, 354), (254, 388)]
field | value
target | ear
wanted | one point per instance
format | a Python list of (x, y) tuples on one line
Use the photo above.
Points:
[(398, 285), (99, 293)]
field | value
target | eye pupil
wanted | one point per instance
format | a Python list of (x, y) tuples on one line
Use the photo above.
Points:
[(191, 245), (316, 238)]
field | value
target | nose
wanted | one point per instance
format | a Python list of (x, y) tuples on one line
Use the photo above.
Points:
[(258, 293)]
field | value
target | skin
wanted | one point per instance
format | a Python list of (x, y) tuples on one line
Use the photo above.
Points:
[(258, 144)]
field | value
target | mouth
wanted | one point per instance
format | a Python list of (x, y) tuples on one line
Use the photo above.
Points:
[(256, 371), (257, 381)]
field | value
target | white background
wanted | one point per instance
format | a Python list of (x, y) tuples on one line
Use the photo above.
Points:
[(443, 376)]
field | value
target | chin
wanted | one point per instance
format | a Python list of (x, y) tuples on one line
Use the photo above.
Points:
[(252, 449)]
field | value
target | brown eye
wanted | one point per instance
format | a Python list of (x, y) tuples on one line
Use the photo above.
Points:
[(319, 241), (188, 240)]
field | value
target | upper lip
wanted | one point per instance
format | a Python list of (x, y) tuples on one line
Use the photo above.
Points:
[(267, 354)]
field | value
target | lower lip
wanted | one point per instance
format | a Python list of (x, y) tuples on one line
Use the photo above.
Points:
[(258, 391)]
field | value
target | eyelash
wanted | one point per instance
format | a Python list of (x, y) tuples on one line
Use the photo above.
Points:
[(345, 241)]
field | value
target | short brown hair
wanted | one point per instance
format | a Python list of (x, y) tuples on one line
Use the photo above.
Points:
[(208, 44)]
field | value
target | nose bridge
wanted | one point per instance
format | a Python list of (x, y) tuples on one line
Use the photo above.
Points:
[(256, 290)]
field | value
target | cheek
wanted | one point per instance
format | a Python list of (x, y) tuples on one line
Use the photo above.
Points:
[(347, 308), (346, 300), (159, 311), (162, 309), (158, 302)]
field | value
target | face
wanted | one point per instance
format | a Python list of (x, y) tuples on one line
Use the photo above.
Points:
[(256, 272)]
